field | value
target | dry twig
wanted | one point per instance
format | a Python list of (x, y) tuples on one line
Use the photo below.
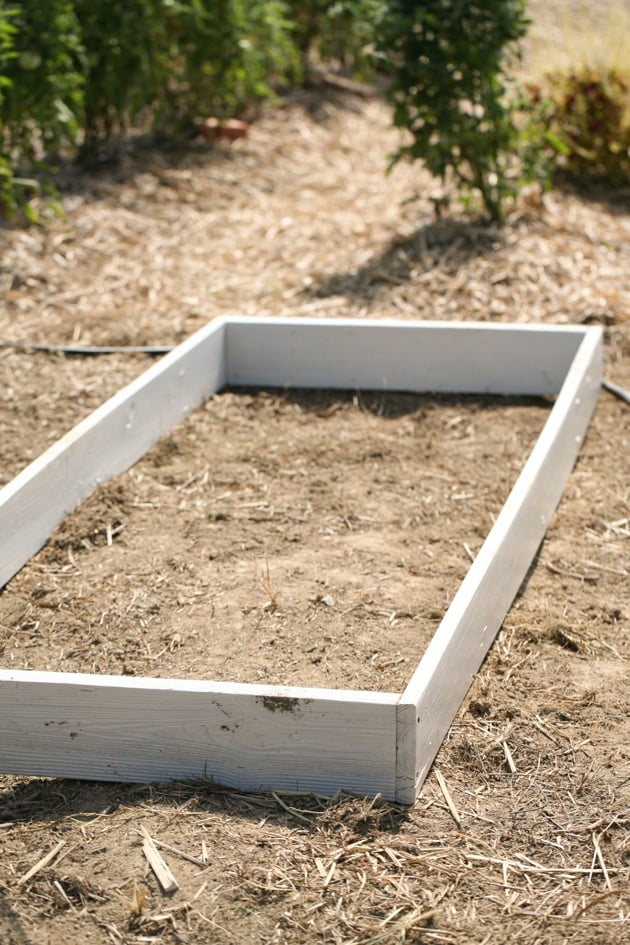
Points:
[(43, 862), (447, 797), (157, 863)]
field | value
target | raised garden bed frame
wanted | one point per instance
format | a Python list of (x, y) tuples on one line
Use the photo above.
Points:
[(260, 737)]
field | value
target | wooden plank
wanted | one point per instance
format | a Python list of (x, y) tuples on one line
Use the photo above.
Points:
[(461, 642), (459, 357), (248, 737), (106, 443)]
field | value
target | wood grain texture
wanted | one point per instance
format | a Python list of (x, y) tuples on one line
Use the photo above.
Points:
[(461, 642), (248, 737), (106, 443), (459, 357)]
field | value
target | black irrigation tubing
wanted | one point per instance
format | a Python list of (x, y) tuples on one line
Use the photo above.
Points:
[(89, 350), (618, 391)]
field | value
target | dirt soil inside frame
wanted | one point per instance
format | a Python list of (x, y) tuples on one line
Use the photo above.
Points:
[(316, 539)]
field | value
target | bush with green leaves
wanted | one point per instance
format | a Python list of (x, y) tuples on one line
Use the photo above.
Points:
[(7, 53), (41, 88), (124, 43), (579, 123), (343, 31), (42, 100), (231, 52), (449, 88), (164, 61)]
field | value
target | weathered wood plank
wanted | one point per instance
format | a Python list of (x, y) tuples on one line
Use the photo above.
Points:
[(248, 737), (459, 357), (106, 443), (461, 642)]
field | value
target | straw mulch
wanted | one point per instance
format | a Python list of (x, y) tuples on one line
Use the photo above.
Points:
[(521, 830)]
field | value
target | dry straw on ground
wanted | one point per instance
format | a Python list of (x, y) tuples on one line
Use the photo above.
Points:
[(524, 834)]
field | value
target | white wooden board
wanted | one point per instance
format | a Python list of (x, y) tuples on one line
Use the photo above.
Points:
[(257, 737), (470, 624), (106, 443), (458, 357), (249, 737)]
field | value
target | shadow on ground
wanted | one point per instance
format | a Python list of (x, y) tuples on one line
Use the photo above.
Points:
[(127, 156), (52, 800), (446, 244), (11, 925), (613, 199)]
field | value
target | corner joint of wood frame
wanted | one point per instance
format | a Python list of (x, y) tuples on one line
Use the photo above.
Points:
[(406, 735)]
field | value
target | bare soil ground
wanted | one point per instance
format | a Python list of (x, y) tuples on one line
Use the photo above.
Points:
[(312, 538)]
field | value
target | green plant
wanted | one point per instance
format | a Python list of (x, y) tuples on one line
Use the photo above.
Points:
[(581, 123), (163, 61), (7, 52), (41, 104), (447, 62), (343, 31), (40, 93), (230, 53), (7, 49), (123, 42)]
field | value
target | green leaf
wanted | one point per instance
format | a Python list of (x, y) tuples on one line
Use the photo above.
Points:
[(556, 143)]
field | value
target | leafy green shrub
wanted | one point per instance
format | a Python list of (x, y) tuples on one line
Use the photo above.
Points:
[(7, 52), (447, 60), (342, 30), (583, 124), (123, 42), (42, 100), (230, 52), (40, 91), (166, 60)]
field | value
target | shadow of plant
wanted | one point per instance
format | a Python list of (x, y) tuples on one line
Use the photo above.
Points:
[(613, 199), (444, 244)]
